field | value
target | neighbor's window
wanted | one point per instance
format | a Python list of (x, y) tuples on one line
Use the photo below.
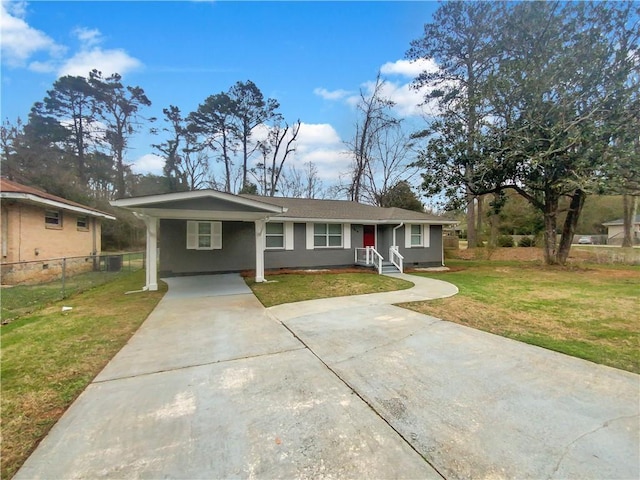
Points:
[(275, 235), (204, 235), (416, 235), (82, 223), (327, 235), (53, 219)]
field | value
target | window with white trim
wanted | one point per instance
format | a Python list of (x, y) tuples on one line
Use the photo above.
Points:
[(274, 235), (204, 235), (327, 235), (53, 218), (416, 235)]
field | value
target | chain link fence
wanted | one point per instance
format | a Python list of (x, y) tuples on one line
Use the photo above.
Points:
[(27, 286)]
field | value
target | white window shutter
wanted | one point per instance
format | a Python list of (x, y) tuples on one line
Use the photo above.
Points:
[(192, 235), (425, 235), (216, 235), (346, 235), (309, 236), (407, 235), (288, 235)]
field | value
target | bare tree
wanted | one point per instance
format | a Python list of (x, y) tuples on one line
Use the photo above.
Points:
[(305, 183), (375, 119), (275, 149)]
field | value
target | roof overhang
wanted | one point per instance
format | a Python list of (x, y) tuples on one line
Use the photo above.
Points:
[(361, 221), (163, 206), (46, 202)]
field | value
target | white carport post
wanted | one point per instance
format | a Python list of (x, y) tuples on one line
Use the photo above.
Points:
[(260, 244), (152, 252)]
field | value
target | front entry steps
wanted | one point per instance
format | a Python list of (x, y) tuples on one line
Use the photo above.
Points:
[(388, 267)]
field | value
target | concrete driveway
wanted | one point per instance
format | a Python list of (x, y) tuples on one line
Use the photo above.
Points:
[(215, 386)]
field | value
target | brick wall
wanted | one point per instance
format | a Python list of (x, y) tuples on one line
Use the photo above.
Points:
[(26, 237)]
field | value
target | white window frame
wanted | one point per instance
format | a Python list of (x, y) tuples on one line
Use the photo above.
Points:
[(327, 235), (281, 236), (425, 232), (287, 234), (346, 236), (57, 216), (193, 235)]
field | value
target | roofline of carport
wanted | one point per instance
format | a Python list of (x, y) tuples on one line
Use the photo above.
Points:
[(179, 214), (176, 196)]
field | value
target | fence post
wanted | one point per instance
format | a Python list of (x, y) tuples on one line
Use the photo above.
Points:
[(64, 274)]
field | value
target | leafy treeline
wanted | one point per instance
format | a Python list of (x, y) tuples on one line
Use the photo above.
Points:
[(538, 98)]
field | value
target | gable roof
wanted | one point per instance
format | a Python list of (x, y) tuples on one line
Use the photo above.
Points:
[(620, 221), (303, 209), (11, 190)]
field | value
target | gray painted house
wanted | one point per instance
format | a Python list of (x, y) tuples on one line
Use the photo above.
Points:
[(207, 231)]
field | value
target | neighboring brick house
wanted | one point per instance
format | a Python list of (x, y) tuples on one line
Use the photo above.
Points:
[(37, 226)]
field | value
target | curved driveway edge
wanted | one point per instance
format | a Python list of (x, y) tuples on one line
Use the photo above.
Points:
[(423, 289)]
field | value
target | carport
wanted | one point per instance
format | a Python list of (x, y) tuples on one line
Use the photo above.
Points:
[(201, 205)]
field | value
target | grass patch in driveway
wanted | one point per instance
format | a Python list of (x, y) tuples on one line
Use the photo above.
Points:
[(50, 356), (296, 287), (589, 312)]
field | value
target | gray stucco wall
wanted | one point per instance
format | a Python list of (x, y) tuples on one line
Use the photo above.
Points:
[(238, 250)]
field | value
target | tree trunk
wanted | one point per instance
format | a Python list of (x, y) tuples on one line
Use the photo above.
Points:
[(494, 221), (570, 223), (472, 241), (550, 220), (479, 219), (629, 209)]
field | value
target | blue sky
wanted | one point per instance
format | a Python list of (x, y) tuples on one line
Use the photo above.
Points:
[(313, 57)]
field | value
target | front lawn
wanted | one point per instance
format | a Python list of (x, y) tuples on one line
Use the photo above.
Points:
[(49, 357), (296, 287), (591, 312)]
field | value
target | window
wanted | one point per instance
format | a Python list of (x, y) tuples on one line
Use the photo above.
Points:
[(204, 235), (416, 235), (327, 235), (275, 235), (82, 223), (53, 219)]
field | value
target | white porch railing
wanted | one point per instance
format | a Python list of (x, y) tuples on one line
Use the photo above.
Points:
[(396, 258), (369, 256)]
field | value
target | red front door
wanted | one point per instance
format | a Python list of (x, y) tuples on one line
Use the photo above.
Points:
[(369, 236)]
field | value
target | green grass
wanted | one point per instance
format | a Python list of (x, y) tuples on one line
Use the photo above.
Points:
[(50, 356), (292, 287), (590, 312)]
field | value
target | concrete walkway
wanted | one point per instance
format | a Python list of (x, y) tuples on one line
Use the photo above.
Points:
[(216, 386)]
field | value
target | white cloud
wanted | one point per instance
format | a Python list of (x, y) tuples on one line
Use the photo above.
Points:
[(107, 61), (19, 41), (149, 163), (409, 68), (331, 95), (318, 134), (87, 36)]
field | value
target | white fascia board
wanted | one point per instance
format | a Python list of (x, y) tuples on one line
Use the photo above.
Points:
[(195, 194), (361, 221), (27, 197)]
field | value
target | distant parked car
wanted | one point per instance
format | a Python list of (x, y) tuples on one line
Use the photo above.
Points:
[(585, 241)]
